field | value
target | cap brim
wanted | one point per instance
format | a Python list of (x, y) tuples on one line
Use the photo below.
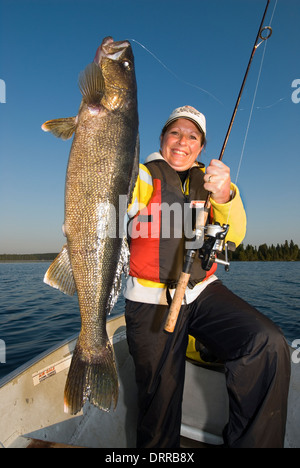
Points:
[(187, 118)]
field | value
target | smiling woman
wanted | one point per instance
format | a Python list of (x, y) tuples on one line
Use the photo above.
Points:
[(182, 141), (181, 144), (183, 137), (234, 331)]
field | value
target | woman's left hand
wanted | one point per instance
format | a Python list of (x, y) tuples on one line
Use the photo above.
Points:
[(217, 181)]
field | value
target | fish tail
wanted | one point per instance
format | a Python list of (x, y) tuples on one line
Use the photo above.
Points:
[(91, 378)]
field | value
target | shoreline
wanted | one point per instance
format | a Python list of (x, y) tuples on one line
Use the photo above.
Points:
[(27, 258), (25, 261)]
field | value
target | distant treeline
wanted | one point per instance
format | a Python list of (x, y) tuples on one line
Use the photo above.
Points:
[(286, 252), (280, 253), (27, 257)]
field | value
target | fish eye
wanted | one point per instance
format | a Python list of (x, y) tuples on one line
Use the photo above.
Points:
[(127, 65)]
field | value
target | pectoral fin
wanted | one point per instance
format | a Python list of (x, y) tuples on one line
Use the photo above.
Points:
[(60, 275), (61, 128)]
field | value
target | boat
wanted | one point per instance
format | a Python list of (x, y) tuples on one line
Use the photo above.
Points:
[(32, 414)]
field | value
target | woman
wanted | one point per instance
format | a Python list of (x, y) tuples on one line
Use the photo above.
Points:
[(253, 349)]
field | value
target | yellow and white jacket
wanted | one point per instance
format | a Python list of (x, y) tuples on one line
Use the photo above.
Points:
[(232, 213)]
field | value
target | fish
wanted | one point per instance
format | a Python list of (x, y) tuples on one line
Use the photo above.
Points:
[(101, 174)]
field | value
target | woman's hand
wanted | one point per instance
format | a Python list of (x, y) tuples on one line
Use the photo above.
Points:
[(217, 181)]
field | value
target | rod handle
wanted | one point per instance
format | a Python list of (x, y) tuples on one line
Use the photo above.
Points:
[(185, 275), (176, 302)]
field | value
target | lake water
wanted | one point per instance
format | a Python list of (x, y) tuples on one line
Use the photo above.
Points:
[(35, 317)]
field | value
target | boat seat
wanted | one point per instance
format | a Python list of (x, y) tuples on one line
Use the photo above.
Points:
[(199, 354)]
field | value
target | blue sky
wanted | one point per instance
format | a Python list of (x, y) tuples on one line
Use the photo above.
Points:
[(206, 44)]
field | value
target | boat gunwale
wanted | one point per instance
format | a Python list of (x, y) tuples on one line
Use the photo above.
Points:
[(24, 367)]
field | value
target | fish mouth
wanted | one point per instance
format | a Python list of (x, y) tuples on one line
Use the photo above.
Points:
[(110, 49)]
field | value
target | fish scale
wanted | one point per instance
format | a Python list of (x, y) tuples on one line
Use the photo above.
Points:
[(103, 165)]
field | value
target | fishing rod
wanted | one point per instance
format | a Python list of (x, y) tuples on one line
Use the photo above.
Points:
[(209, 240)]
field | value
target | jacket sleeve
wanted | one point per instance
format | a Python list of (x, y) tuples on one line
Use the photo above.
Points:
[(232, 213), (142, 191)]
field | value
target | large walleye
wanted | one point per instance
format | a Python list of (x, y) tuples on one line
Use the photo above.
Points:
[(103, 166)]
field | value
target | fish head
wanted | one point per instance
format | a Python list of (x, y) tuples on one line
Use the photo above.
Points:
[(116, 61)]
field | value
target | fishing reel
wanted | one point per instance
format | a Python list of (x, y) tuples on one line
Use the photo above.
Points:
[(214, 244)]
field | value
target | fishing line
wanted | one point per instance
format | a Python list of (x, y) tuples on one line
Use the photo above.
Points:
[(174, 74), (281, 99), (252, 107), (271, 105), (250, 116)]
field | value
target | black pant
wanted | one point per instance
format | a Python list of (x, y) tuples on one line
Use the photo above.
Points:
[(257, 367)]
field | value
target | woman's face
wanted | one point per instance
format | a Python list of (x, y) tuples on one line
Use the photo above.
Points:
[(181, 144)]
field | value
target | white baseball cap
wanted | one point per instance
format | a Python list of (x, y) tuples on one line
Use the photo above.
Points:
[(190, 113)]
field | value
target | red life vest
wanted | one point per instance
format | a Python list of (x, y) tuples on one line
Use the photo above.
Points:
[(157, 232)]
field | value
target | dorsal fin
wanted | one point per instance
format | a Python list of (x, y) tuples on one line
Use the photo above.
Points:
[(91, 84)]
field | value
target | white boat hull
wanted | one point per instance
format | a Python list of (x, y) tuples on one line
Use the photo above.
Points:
[(31, 403)]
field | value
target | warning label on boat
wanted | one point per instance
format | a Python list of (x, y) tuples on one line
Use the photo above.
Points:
[(64, 363), (51, 370)]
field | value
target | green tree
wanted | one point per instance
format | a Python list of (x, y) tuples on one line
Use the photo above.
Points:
[(294, 251), (263, 252)]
